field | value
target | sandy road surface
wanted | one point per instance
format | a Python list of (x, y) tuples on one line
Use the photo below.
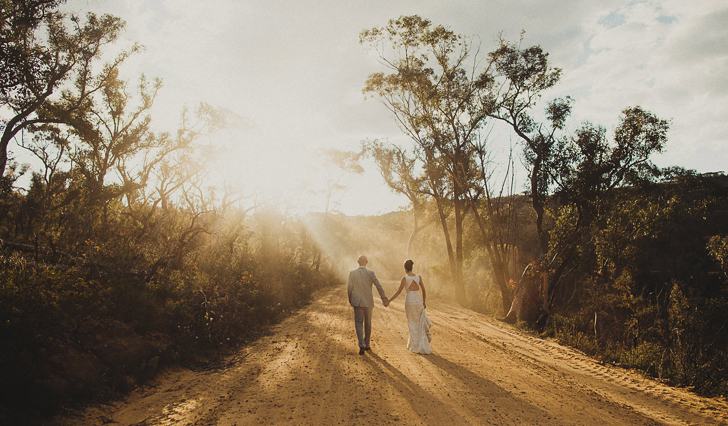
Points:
[(308, 372)]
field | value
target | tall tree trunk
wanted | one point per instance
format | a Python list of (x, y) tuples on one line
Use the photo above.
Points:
[(536, 202), (415, 230), (550, 284), (494, 249), (446, 232), (519, 308), (459, 256)]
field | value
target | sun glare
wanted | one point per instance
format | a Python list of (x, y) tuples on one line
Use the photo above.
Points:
[(282, 174), (298, 178)]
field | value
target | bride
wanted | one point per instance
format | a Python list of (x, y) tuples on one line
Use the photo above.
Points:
[(414, 306)]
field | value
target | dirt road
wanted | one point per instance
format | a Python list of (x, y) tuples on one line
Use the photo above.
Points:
[(308, 372)]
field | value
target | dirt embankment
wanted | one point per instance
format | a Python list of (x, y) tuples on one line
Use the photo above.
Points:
[(308, 372)]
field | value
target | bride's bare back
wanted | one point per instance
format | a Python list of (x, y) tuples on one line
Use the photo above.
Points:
[(413, 286)]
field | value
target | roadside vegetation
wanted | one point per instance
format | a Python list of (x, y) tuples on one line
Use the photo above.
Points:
[(121, 251), (604, 250)]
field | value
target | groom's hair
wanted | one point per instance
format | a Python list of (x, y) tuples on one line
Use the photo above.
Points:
[(362, 260), (408, 265)]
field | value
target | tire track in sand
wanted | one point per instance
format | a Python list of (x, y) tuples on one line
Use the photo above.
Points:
[(308, 372)]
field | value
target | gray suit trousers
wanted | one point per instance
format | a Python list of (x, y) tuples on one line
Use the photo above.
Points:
[(363, 324)]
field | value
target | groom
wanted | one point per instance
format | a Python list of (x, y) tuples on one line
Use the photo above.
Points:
[(360, 297)]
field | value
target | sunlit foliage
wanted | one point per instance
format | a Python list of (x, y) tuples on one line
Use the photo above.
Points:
[(124, 252), (605, 250)]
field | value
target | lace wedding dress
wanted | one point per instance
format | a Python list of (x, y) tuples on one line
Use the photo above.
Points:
[(417, 321)]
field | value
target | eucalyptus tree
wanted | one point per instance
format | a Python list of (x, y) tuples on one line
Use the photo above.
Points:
[(495, 211), (585, 171), (401, 173), (589, 169), (440, 99), (21, 19), (338, 166), (47, 70), (111, 133), (523, 75)]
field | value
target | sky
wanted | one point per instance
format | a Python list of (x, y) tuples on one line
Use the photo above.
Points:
[(294, 71)]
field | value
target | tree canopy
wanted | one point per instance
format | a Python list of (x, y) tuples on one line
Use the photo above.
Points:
[(49, 73)]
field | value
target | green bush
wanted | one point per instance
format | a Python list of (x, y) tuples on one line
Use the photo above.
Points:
[(698, 346), (199, 291), (41, 309)]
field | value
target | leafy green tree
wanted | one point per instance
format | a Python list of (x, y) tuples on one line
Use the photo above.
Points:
[(586, 171), (580, 170), (20, 18), (524, 75), (47, 51), (111, 134), (440, 100)]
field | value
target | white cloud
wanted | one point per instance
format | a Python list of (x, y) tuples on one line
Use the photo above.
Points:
[(295, 68), (668, 58)]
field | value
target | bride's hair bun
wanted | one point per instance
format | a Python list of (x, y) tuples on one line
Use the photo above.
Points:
[(408, 264)]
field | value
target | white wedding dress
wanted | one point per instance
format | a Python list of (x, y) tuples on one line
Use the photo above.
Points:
[(417, 321)]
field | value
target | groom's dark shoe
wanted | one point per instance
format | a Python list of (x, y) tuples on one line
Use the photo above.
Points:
[(361, 351), (367, 348)]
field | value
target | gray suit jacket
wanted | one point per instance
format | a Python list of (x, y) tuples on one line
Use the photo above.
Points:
[(360, 287)]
